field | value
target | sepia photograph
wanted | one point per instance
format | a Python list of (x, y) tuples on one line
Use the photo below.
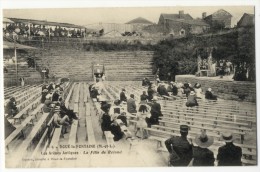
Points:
[(145, 86)]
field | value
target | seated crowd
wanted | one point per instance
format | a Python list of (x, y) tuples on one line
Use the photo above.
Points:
[(25, 30), (183, 152), (52, 97)]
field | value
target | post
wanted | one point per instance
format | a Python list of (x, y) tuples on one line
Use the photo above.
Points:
[(16, 65)]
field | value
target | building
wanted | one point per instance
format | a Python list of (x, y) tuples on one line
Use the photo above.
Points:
[(139, 23), (220, 17), (181, 24), (247, 20)]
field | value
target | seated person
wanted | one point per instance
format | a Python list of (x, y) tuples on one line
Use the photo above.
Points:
[(191, 100), (209, 95), (44, 93), (144, 97), (198, 90), (162, 90), (155, 112), (145, 82), (59, 120), (64, 111), (151, 91), (123, 118), (174, 89), (186, 89), (116, 130), (55, 96), (105, 120), (47, 107), (131, 106), (11, 108), (116, 108), (123, 97)]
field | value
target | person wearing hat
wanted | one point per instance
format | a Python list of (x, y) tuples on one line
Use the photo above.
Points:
[(105, 119), (209, 95), (123, 97), (229, 154), (191, 100), (198, 90), (180, 148), (131, 105), (60, 121), (155, 112), (202, 156)]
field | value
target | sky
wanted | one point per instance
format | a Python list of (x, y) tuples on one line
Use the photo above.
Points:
[(93, 16)]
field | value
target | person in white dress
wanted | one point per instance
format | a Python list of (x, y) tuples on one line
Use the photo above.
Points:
[(198, 90), (142, 114)]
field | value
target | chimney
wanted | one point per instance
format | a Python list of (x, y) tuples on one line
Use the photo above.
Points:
[(181, 13), (204, 14)]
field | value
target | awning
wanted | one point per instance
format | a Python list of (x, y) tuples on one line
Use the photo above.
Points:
[(45, 22), (10, 45)]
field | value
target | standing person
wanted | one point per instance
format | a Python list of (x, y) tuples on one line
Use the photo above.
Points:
[(142, 115), (180, 148), (229, 154), (22, 81), (202, 156), (123, 97), (131, 106)]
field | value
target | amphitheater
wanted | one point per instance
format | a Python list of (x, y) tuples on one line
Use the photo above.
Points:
[(37, 143)]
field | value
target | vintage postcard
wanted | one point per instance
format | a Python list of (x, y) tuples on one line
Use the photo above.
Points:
[(163, 86)]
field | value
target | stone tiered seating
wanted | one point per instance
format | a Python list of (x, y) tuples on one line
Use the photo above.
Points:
[(124, 66)]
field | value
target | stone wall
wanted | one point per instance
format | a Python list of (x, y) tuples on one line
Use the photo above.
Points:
[(231, 90)]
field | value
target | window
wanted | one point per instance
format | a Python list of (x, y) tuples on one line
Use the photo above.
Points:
[(182, 32)]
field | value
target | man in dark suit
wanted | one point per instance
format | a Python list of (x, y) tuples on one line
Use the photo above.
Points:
[(131, 106), (155, 111), (144, 96), (123, 96), (180, 148), (229, 154)]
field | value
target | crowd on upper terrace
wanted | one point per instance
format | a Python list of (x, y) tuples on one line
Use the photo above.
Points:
[(26, 30)]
